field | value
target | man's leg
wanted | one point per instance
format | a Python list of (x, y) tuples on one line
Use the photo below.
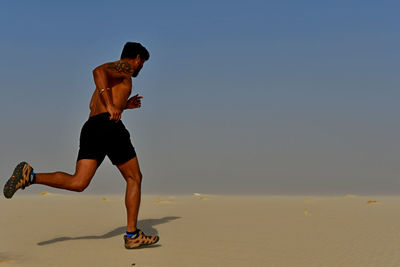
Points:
[(134, 237), (131, 172), (85, 170)]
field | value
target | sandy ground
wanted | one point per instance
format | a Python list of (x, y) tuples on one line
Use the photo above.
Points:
[(197, 230)]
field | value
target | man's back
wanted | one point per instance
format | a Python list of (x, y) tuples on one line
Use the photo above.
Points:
[(119, 89)]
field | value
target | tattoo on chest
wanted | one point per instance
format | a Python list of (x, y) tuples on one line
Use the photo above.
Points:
[(120, 67)]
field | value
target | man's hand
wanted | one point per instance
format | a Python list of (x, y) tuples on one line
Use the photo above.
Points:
[(114, 112), (134, 102)]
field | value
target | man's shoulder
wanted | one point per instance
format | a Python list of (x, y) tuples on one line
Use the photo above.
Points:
[(118, 65), (119, 69)]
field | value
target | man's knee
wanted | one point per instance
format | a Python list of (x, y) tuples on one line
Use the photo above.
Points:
[(134, 177), (80, 185)]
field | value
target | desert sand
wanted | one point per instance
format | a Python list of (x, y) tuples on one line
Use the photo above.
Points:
[(202, 230)]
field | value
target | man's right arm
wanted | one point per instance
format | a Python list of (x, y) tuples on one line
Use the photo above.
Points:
[(102, 74)]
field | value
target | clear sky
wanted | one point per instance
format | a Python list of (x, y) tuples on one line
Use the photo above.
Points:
[(240, 97)]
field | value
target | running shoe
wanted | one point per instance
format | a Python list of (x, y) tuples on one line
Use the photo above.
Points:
[(22, 177), (140, 240)]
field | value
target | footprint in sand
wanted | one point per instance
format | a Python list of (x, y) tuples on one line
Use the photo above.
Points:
[(372, 202), (306, 213), (6, 261)]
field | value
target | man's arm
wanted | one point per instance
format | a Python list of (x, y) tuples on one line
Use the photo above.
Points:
[(101, 74)]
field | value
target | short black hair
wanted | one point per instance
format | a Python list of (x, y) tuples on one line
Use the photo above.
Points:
[(132, 49)]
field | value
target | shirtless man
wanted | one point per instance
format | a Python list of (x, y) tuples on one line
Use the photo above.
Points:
[(102, 135)]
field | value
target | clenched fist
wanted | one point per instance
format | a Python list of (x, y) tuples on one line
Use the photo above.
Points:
[(134, 102)]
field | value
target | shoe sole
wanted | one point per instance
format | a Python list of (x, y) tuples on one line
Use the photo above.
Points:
[(143, 245), (11, 184)]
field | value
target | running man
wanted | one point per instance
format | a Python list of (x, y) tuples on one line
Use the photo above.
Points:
[(102, 135)]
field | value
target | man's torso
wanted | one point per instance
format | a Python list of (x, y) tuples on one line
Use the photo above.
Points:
[(120, 92)]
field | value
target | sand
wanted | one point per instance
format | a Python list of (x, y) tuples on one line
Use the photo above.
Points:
[(202, 230)]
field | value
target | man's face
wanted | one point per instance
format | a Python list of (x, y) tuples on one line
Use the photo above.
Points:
[(139, 66)]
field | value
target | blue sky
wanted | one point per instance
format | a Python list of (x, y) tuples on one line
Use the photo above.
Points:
[(239, 96)]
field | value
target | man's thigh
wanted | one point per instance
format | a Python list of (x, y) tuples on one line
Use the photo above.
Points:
[(85, 169), (130, 169)]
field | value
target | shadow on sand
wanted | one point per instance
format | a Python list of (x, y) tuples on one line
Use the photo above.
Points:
[(145, 225)]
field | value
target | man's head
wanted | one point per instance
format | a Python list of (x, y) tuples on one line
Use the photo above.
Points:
[(136, 52)]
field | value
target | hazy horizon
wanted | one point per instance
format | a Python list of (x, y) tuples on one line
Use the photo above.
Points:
[(256, 97)]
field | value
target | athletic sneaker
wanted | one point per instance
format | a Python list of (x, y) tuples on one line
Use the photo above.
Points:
[(140, 240), (22, 177)]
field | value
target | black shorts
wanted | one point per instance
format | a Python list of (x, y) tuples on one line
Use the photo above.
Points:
[(101, 136)]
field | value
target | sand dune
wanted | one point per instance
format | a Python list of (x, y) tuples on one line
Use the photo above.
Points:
[(82, 230)]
